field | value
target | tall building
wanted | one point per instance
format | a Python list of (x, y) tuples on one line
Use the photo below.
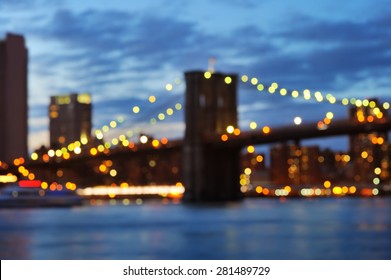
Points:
[(290, 164), (369, 151), (70, 119), (13, 98)]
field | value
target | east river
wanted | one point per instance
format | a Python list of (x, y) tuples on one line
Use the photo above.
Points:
[(322, 228)]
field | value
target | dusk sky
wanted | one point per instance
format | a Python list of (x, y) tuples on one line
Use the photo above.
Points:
[(124, 51)]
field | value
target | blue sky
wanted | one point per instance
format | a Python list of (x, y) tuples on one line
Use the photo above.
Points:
[(123, 51)]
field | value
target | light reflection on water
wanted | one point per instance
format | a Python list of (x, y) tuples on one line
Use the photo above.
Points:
[(345, 228)]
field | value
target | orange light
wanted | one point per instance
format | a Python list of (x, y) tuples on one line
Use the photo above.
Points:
[(370, 119), (102, 168), (266, 129), (131, 145), (224, 137), (45, 158), (164, 141), (237, 131), (265, 191), (380, 141), (326, 120)]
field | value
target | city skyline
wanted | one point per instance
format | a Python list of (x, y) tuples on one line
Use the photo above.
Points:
[(122, 54)]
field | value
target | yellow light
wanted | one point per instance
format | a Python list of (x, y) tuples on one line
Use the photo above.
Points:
[(113, 124), (288, 189), (330, 115), (228, 80), (250, 149), (113, 172), (254, 81), (58, 153), (337, 190), (260, 87), (259, 189), (230, 129), (307, 94), (93, 151), (377, 170), (345, 101), (295, 94), (168, 87), (372, 104), (170, 111), (114, 141), (327, 184), (386, 105), (283, 91), (178, 106), (244, 78), (34, 156), (253, 125), (352, 189), (44, 185), (161, 116), (155, 143), (152, 99), (247, 171), (136, 109), (364, 154), (125, 143), (274, 85), (207, 75), (266, 129), (346, 158)]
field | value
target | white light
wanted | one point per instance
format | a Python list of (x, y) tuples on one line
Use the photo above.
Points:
[(297, 120), (143, 139)]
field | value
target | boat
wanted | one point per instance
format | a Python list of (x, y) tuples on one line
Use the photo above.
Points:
[(15, 196)]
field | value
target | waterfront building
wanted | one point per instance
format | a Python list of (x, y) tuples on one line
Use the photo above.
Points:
[(369, 151), (13, 98), (70, 119), (295, 165)]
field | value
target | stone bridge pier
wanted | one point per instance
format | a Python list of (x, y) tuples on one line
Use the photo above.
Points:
[(211, 170)]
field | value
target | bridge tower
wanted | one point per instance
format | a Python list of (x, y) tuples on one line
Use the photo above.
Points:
[(211, 170)]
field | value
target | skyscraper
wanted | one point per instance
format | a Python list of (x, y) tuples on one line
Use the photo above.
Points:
[(70, 119), (13, 98)]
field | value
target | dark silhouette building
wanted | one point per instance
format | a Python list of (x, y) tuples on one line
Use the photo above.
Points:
[(13, 98), (70, 119)]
